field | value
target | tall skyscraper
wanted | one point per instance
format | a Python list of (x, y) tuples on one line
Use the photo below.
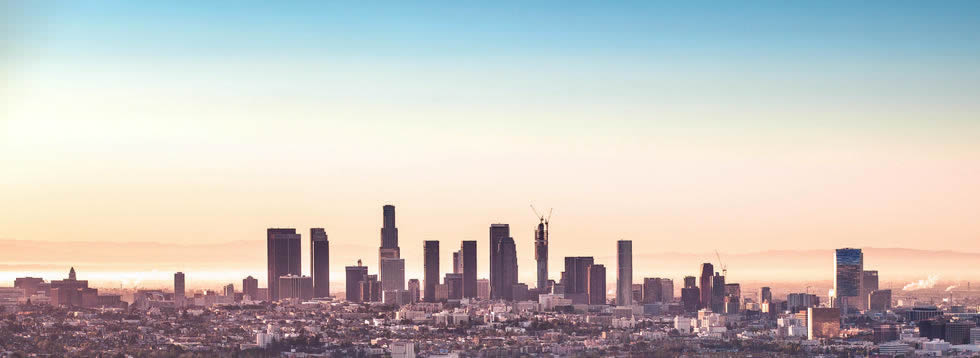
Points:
[(508, 267), (652, 290), (849, 271), (596, 279), (394, 274), (667, 292), (497, 233), (180, 295), (766, 295), (355, 276), (250, 287), (576, 274), (718, 293), (707, 273), (869, 284), (457, 261), (283, 249), (468, 253), (541, 253), (624, 274), (389, 244), (320, 262), (430, 250)]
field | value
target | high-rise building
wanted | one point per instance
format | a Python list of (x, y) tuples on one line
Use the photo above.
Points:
[(371, 289), (718, 293), (624, 273), (295, 287), (180, 295), (691, 298), (849, 271), (652, 290), (541, 253), (430, 250), (596, 279), (575, 280), (707, 274), (414, 289), (454, 282), (497, 233), (389, 244), (392, 274), (483, 289), (667, 290), (822, 323), (766, 295), (869, 283), (355, 275), (733, 297), (468, 253), (507, 252), (457, 261), (320, 262), (690, 281), (880, 300), (283, 249), (229, 290), (250, 287)]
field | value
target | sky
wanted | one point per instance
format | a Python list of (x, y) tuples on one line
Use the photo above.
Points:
[(683, 126)]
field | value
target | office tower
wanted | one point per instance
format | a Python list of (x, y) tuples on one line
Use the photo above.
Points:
[(457, 264), (652, 290), (596, 284), (637, 290), (885, 332), (430, 249), (519, 292), (371, 289), (250, 287), (707, 273), (958, 332), (229, 290), (766, 295), (414, 289), (497, 233), (541, 253), (822, 323), (468, 253), (389, 242), (454, 283), (283, 249), (869, 283), (507, 252), (880, 300), (624, 274), (392, 274), (180, 296), (31, 285), (483, 289), (690, 281), (691, 298), (718, 293), (320, 262), (801, 301), (576, 274), (849, 270), (667, 292), (355, 275), (733, 297), (295, 287)]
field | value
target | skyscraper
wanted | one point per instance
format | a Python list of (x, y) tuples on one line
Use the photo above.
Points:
[(667, 294), (690, 282), (430, 250), (454, 282), (414, 289), (457, 261), (355, 275), (624, 274), (652, 290), (766, 295), (250, 287), (869, 284), (283, 249), (497, 233), (718, 293), (848, 273), (320, 262), (507, 252), (541, 253), (468, 253), (394, 274), (576, 274), (596, 279), (179, 293), (389, 245), (707, 272)]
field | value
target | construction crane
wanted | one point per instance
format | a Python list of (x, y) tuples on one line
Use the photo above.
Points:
[(543, 219), (724, 269)]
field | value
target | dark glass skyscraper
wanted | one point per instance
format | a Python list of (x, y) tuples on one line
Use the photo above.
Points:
[(283, 249), (849, 270), (468, 253), (624, 273), (430, 250), (497, 233), (596, 279), (320, 262), (389, 233), (507, 251), (576, 274), (179, 293), (707, 272), (718, 293), (355, 276), (541, 253)]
